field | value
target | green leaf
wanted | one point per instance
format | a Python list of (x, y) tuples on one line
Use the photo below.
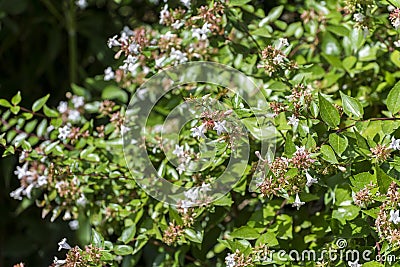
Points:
[(328, 112), (346, 213), (338, 142), (245, 232), (328, 154), (383, 180), (123, 250), (268, 239), (38, 104), (15, 109), (351, 106), (16, 99), (360, 180), (273, 15), (97, 239), (5, 103), (50, 112), (238, 2), (395, 58), (195, 236), (128, 234), (114, 92), (393, 99)]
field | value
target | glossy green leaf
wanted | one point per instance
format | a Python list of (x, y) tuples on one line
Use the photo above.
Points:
[(351, 106), (328, 112), (393, 99), (38, 104)]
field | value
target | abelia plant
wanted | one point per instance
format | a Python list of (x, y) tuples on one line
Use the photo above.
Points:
[(328, 72)]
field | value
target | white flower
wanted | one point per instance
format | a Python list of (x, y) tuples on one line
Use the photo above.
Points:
[(281, 43), (63, 244), (297, 202), (204, 189), (293, 120), (134, 48), (220, 127), (185, 204), (181, 168), (164, 14), (201, 34), (82, 201), (177, 24), (16, 194), (354, 264), (62, 107), (394, 217), (179, 152), (396, 43), (186, 3), (126, 30), (300, 149), (78, 101), (82, 4), (278, 59), (67, 215), (365, 31), (358, 17), (159, 62), (129, 64), (230, 260), (395, 144), (28, 190), (198, 131), (113, 42), (58, 262), (74, 225), (178, 56), (396, 23), (63, 132), (192, 194), (310, 180), (109, 74), (124, 129), (22, 171), (74, 115)]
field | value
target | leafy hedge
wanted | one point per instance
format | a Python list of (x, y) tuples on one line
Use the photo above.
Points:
[(329, 73)]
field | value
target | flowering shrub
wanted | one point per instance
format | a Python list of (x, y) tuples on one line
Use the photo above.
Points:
[(328, 74)]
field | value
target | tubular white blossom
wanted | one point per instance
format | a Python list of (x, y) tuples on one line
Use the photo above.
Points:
[(220, 127), (198, 131), (394, 216), (310, 180), (109, 74), (78, 101), (297, 202), (82, 4), (63, 244), (62, 107), (113, 42)]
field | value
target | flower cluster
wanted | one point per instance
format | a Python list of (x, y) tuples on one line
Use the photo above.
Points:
[(30, 177), (365, 196), (394, 18), (238, 259), (76, 257), (388, 216), (277, 180), (275, 60)]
